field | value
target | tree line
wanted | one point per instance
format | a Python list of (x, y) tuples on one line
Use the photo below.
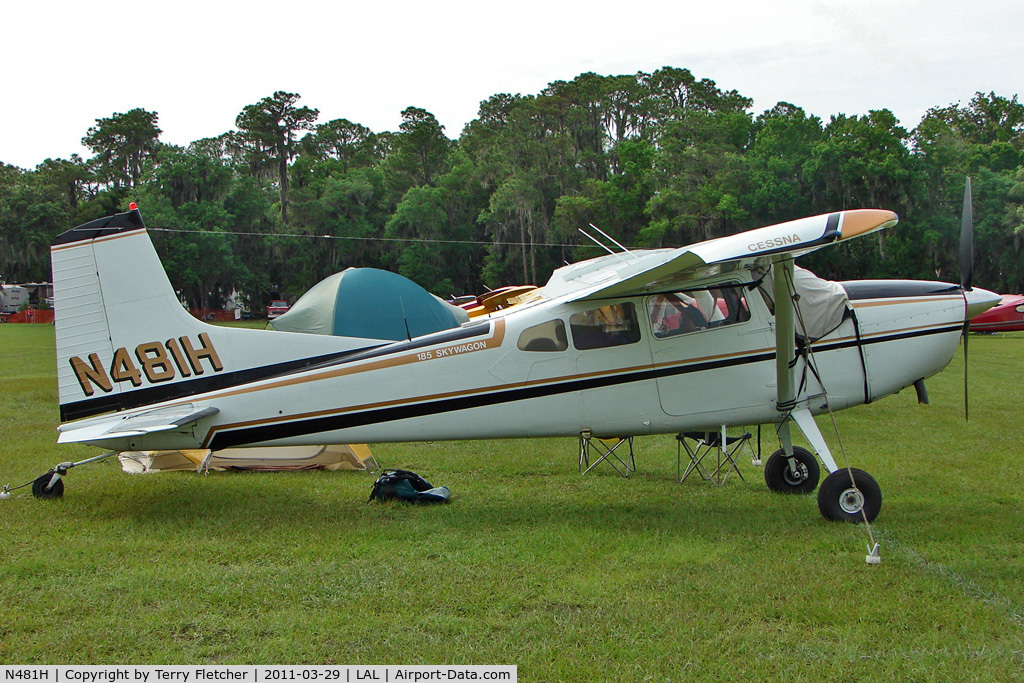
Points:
[(654, 159)]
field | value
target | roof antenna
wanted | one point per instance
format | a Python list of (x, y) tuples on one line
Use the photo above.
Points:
[(608, 237), (594, 240), (601, 244), (405, 318)]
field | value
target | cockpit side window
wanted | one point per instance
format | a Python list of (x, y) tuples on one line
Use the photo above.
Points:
[(549, 336), (597, 328), (695, 310)]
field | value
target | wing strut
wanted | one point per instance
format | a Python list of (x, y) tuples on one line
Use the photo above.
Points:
[(785, 350), (846, 494), (785, 370)]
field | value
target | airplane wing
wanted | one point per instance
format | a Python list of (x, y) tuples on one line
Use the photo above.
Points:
[(631, 273), (119, 425)]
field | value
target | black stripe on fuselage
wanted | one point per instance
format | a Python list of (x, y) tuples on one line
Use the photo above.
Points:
[(261, 433), (328, 423), (858, 290), (200, 385), (851, 343), (228, 380)]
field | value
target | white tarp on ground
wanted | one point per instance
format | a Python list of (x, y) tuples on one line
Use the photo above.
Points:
[(270, 459)]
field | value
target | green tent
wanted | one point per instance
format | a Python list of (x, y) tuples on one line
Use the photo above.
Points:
[(371, 304)]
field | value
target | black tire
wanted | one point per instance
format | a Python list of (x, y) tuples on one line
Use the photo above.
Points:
[(39, 487), (841, 500), (780, 478)]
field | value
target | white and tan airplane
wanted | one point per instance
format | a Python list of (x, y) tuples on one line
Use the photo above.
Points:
[(658, 341)]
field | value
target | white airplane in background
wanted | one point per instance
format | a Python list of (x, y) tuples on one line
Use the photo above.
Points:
[(639, 342)]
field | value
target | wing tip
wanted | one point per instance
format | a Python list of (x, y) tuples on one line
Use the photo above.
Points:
[(857, 222)]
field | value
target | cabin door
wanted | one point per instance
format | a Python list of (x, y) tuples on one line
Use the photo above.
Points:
[(713, 352)]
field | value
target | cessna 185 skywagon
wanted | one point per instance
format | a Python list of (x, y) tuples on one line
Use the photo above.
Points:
[(627, 344)]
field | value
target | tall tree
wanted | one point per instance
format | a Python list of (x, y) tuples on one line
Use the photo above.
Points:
[(32, 212), (616, 205), (347, 208), (70, 175), (983, 140), (349, 144), (419, 153), (701, 176), (121, 144), (863, 161), (783, 139), (190, 175), (270, 127)]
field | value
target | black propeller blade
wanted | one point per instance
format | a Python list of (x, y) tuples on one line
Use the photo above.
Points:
[(966, 270), (967, 414), (967, 240)]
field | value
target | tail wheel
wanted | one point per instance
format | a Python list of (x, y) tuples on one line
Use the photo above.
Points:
[(783, 478), (42, 488), (849, 495)]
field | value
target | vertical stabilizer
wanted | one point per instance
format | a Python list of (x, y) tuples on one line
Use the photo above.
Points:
[(124, 340), (89, 263)]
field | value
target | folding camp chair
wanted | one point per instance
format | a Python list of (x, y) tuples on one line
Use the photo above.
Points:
[(724, 447), (606, 450)]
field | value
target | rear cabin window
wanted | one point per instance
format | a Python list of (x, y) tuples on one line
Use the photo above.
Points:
[(682, 312), (598, 328), (549, 336)]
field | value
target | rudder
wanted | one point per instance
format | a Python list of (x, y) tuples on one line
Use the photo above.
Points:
[(124, 340)]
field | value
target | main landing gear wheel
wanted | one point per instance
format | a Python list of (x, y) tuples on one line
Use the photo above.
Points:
[(781, 478), (843, 500), (41, 487)]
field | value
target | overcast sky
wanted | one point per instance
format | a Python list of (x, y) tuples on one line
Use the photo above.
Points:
[(197, 64)]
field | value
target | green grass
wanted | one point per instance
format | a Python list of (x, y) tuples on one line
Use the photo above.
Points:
[(569, 577)]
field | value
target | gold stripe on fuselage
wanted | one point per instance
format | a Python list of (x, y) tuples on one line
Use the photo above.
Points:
[(104, 238), (413, 400), (896, 301), (494, 341)]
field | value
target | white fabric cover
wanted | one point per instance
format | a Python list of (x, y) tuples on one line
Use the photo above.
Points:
[(822, 302)]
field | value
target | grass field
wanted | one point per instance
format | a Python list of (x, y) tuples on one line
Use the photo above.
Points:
[(569, 577)]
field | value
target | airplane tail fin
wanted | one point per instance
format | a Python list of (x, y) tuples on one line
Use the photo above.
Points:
[(124, 340)]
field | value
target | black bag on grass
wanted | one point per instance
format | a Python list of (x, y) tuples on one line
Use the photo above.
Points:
[(408, 486)]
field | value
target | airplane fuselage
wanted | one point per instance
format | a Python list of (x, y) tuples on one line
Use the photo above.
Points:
[(698, 338), (485, 381)]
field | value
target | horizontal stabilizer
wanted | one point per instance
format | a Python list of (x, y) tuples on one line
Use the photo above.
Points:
[(135, 424)]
